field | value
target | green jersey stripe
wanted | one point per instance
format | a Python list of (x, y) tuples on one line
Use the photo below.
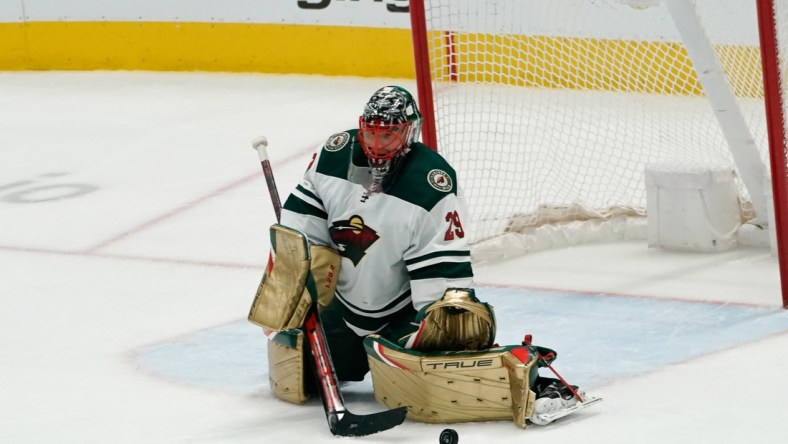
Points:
[(448, 253), (364, 322), (297, 205), (447, 270), (388, 307), (309, 194)]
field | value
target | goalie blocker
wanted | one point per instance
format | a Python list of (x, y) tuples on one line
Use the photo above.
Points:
[(299, 275)]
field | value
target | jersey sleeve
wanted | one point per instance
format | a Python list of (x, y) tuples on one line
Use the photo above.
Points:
[(304, 211), (440, 257)]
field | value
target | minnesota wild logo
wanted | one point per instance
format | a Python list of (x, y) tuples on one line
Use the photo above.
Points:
[(337, 141), (439, 180), (352, 238)]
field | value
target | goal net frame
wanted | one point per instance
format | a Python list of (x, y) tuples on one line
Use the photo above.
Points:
[(714, 89)]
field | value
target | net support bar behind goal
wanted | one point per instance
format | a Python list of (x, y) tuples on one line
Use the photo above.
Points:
[(732, 123)]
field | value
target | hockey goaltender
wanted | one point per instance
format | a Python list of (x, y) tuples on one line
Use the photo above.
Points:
[(372, 273)]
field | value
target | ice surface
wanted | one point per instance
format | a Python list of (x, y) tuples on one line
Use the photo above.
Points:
[(133, 231)]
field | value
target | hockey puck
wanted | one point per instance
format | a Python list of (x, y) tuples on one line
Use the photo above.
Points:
[(449, 436)]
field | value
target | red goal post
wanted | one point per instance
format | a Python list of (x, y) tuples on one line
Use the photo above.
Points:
[(551, 111), (775, 117)]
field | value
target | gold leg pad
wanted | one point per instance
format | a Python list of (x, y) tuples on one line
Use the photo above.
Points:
[(453, 387), (286, 366)]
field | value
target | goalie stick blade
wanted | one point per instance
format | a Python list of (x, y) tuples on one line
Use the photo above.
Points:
[(348, 424), (550, 417)]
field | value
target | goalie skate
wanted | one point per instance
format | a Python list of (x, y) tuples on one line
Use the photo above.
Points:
[(547, 418), (556, 401)]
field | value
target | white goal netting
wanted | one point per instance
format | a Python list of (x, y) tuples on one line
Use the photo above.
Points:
[(551, 110)]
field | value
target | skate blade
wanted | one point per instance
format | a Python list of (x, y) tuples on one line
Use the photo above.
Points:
[(588, 402)]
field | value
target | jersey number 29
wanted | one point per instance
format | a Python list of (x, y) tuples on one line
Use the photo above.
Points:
[(455, 226)]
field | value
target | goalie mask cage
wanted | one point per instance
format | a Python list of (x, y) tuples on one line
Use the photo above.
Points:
[(551, 110)]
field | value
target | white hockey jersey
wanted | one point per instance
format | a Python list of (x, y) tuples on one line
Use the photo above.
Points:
[(405, 245)]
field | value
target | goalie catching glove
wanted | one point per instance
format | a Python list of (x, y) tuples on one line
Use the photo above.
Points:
[(456, 322)]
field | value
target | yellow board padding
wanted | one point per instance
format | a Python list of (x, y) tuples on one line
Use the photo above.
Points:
[(519, 60), (585, 63), (13, 45), (227, 47)]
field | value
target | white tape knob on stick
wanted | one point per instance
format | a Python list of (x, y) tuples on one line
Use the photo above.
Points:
[(260, 144)]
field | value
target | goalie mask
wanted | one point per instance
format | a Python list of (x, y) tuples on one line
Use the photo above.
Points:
[(390, 123)]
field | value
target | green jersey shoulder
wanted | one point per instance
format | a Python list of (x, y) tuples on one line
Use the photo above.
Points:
[(422, 178)]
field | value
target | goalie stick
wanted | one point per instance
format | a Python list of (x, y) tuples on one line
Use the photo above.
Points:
[(341, 421)]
